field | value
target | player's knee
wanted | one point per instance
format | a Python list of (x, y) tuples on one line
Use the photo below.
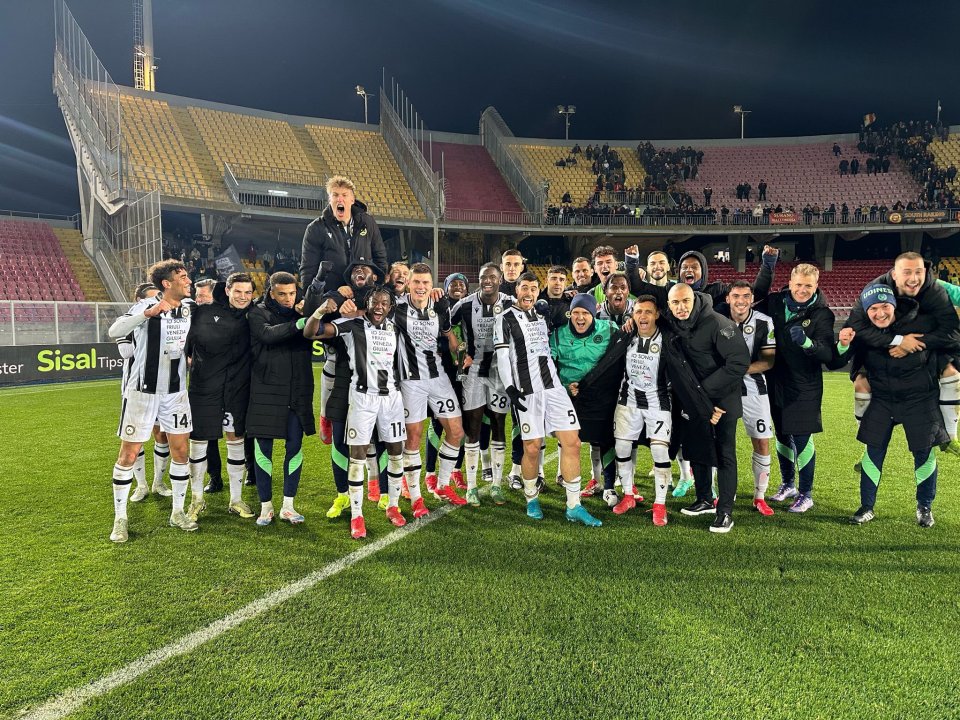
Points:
[(861, 384), (660, 451), (949, 371)]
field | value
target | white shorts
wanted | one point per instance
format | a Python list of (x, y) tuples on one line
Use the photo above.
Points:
[(437, 392), (756, 416), (629, 423), (383, 412), (228, 422), (547, 412), (141, 411), (485, 392)]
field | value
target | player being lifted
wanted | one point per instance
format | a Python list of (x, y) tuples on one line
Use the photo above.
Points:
[(757, 330), (482, 388), (372, 342), (423, 316), (155, 388), (521, 340)]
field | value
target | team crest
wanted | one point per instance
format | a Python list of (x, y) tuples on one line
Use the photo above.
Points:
[(406, 413), (748, 330), (597, 339), (352, 433), (363, 233), (727, 332), (185, 311), (432, 313), (654, 348), (129, 429), (525, 427), (567, 314), (497, 309), (805, 323), (882, 297)]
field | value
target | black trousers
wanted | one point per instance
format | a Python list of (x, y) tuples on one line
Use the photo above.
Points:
[(214, 464), (725, 443)]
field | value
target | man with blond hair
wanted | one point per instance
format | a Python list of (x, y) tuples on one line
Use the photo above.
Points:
[(803, 335), (345, 233)]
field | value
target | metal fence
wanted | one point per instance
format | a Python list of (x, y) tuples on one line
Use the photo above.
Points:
[(36, 322), (398, 133), (88, 97), (493, 131), (133, 237)]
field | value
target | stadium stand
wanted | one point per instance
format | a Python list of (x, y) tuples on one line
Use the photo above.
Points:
[(946, 154), (90, 283), (797, 175), (473, 181), (160, 156), (539, 163), (253, 141), (363, 156), (33, 265)]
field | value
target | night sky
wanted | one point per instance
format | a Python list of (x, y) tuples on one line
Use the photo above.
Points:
[(633, 69)]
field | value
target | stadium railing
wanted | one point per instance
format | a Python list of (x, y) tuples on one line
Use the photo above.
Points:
[(424, 182), (494, 217), (493, 131), (40, 322)]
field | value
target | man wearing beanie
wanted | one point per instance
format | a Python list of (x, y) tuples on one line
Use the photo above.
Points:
[(803, 332), (905, 392), (577, 346)]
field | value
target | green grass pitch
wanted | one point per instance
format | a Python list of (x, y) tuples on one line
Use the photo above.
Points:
[(482, 613)]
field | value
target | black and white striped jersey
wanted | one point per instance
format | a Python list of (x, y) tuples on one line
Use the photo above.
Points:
[(373, 354), (477, 320), (526, 338), (604, 312), (645, 384), (757, 332), (420, 330), (158, 364)]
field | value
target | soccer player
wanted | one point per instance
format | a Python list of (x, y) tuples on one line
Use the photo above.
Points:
[(398, 277), (522, 346), (372, 343), (161, 450), (803, 329), (717, 355), (584, 279), (218, 347), (281, 392), (757, 331), (658, 269), (910, 278), (617, 303), (556, 297), (905, 392), (604, 260), (483, 390), (203, 291), (155, 388), (423, 317)]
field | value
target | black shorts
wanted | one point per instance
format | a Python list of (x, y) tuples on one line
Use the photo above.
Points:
[(921, 420)]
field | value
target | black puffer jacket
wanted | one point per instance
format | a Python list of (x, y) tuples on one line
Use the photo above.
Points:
[(715, 351), (219, 348), (326, 239), (796, 379), (282, 377)]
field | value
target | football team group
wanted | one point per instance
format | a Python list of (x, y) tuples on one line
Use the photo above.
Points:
[(622, 357)]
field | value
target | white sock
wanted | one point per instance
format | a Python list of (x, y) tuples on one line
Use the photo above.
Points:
[(394, 478), (161, 460), (514, 469), (543, 449), (355, 478), (596, 462), (198, 467), (179, 479), (761, 475), (950, 403), (140, 468), (471, 458), (447, 460), (661, 471), (861, 401), (266, 508), (625, 466), (498, 450), (122, 477), (573, 492), (411, 472), (530, 490), (373, 466), (236, 462)]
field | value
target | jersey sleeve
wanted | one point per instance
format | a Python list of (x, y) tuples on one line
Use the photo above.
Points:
[(130, 320), (344, 326)]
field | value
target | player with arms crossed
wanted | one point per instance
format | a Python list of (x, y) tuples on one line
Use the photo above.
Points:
[(155, 389)]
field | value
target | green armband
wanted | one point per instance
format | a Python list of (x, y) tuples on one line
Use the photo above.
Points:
[(842, 348), (807, 344), (300, 323)]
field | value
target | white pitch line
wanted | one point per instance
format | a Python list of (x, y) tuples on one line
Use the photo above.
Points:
[(13, 391), (71, 700)]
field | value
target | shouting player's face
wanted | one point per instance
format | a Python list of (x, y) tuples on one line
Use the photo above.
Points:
[(399, 277), (604, 265), (527, 294), (881, 314), (618, 290), (361, 276), (341, 200), (379, 307), (645, 316), (690, 271), (581, 319)]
